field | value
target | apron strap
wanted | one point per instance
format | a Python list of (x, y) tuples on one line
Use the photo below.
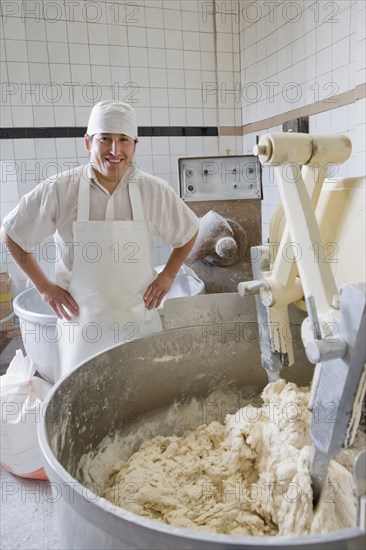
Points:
[(135, 198), (84, 197)]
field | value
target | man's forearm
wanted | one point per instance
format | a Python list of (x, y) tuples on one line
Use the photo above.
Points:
[(26, 262), (156, 291), (59, 299), (177, 257)]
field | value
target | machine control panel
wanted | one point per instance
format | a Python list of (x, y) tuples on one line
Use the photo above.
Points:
[(220, 178)]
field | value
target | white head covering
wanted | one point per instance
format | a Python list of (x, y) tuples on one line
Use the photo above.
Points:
[(112, 117)]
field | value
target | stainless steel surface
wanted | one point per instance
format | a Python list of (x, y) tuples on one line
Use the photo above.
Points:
[(220, 178), (341, 385), (229, 316), (359, 476), (123, 386), (215, 313), (318, 466), (271, 360)]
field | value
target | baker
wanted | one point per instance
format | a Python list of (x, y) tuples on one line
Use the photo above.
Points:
[(103, 216)]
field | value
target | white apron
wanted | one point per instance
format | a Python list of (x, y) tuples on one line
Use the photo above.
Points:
[(112, 269)]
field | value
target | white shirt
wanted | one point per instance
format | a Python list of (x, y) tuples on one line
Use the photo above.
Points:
[(51, 208)]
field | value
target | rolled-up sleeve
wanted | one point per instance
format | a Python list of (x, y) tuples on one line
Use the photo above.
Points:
[(171, 218), (35, 217), (178, 224)]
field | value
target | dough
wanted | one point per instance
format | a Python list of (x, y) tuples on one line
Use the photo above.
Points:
[(248, 476)]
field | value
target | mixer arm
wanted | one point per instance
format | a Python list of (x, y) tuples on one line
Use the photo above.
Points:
[(339, 386), (300, 191), (281, 286)]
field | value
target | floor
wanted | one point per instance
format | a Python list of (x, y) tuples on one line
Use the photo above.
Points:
[(27, 514)]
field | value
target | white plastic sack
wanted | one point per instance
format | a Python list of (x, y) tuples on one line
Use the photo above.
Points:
[(22, 394)]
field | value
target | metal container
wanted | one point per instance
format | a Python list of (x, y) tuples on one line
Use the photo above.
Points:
[(128, 383)]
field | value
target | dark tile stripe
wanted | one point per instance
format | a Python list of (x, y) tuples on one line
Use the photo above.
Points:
[(143, 131)]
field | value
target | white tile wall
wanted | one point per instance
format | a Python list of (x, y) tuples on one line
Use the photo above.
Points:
[(163, 57), (149, 55), (323, 53)]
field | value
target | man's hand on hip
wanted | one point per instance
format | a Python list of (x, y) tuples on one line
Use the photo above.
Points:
[(60, 300), (156, 291)]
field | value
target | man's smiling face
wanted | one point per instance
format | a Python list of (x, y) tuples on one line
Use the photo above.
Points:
[(110, 154)]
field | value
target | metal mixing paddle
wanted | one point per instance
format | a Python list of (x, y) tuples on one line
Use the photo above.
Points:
[(339, 381), (272, 361)]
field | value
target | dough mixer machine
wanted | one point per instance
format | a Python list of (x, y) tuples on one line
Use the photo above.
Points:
[(124, 385), (320, 261)]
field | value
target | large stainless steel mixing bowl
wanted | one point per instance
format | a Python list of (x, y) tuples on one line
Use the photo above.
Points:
[(125, 385)]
